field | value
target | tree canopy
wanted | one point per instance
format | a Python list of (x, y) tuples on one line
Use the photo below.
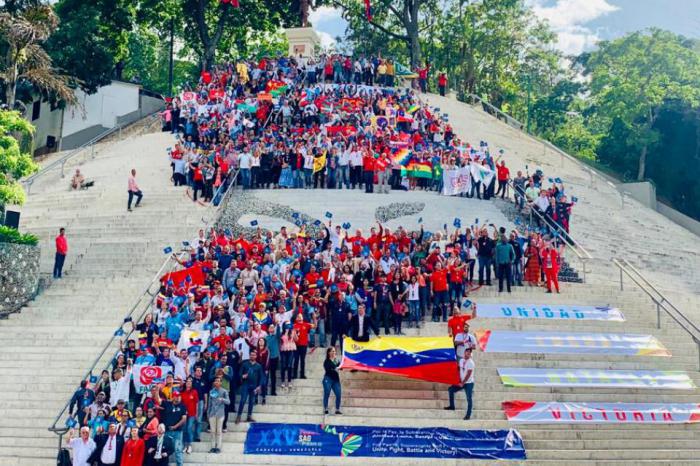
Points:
[(14, 164)]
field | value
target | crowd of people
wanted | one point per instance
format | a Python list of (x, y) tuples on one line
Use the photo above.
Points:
[(264, 302), (241, 332), (298, 124)]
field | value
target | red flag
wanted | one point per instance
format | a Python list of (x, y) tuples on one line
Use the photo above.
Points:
[(368, 10)]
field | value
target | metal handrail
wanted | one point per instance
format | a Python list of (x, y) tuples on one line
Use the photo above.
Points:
[(29, 181), (569, 241), (661, 301), (151, 296)]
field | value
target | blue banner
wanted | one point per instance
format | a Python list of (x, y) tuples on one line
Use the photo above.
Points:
[(434, 442)]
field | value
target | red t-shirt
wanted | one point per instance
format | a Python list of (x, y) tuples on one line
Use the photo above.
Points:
[(456, 323), (368, 163), (190, 398), (61, 245), (456, 275), (439, 280), (503, 173), (302, 329)]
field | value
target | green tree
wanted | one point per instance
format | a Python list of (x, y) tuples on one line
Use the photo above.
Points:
[(399, 20), (632, 77), (23, 34), (14, 164), (204, 25)]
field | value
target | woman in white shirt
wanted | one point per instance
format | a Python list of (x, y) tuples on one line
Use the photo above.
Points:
[(413, 296)]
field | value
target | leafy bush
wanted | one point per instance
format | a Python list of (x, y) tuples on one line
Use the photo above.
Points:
[(10, 235)]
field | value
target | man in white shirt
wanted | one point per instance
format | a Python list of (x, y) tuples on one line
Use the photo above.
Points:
[(119, 387), (241, 347), (466, 376), (343, 169), (82, 447), (356, 168), (245, 162)]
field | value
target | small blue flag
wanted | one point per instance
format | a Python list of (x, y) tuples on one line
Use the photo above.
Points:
[(131, 423), (444, 227), (167, 250), (317, 222), (295, 214), (227, 232), (119, 332), (420, 219), (320, 282), (574, 199), (457, 223), (557, 180), (329, 215), (188, 278), (185, 243), (254, 223), (517, 221), (476, 221), (70, 422), (93, 379), (337, 250)]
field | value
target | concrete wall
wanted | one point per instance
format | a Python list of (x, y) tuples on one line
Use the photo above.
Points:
[(102, 108), (681, 219), (48, 124), (644, 192), (19, 275)]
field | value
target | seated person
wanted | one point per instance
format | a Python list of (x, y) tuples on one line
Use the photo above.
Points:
[(79, 182)]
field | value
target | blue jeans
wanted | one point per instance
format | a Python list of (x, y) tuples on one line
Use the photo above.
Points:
[(247, 394), (329, 385), (307, 177), (440, 301), (245, 177), (200, 417), (414, 311), (343, 177), (190, 428), (320, 330), (456, 293), (518, 272), (484, 266), (331, 178), (298, 178), (177, 443), (468, 391)]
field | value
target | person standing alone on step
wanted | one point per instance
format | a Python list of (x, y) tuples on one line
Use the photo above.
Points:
[(466, 376), (133, 190), (61, 251)]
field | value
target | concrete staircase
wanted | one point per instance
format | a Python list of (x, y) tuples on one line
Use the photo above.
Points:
[(377, 400), (113, 254)]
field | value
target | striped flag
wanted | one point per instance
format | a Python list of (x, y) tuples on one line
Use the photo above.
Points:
[(423, 358), (420, 169), (368, 10)]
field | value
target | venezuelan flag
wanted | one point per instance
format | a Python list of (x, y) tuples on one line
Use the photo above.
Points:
[(420, 170), (401, 156), (424, 358)]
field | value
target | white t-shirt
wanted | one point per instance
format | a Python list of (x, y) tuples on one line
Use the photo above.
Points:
[(464, 340), (466, 365), (413, 292), (82, 451), (241, 346)]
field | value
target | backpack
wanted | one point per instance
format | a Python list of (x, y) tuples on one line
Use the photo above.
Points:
[(63, 458)]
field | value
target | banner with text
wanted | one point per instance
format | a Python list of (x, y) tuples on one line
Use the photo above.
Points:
[(456, 181), (554, 312), (543, 412), (379, 442), (532, 377), (623, 344)]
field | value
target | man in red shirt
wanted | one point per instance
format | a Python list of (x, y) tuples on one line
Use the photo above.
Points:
[(455, 325), (457, 271), (442, 83), (368, 164), (503, 176), (438, 286), (61, 251), (302, 330)]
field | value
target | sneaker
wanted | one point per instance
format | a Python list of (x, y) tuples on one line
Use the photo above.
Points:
[(249, 419), (238, 420), (263, 401), (224, 430), (213, 450), (325, 411), (129, 210), (302, 377), (198, 440), (337, 411), (449, 408), (466, 418)]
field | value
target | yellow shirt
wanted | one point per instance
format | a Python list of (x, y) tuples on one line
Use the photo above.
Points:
[(381, 69), (242, 70), (390, 69)]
